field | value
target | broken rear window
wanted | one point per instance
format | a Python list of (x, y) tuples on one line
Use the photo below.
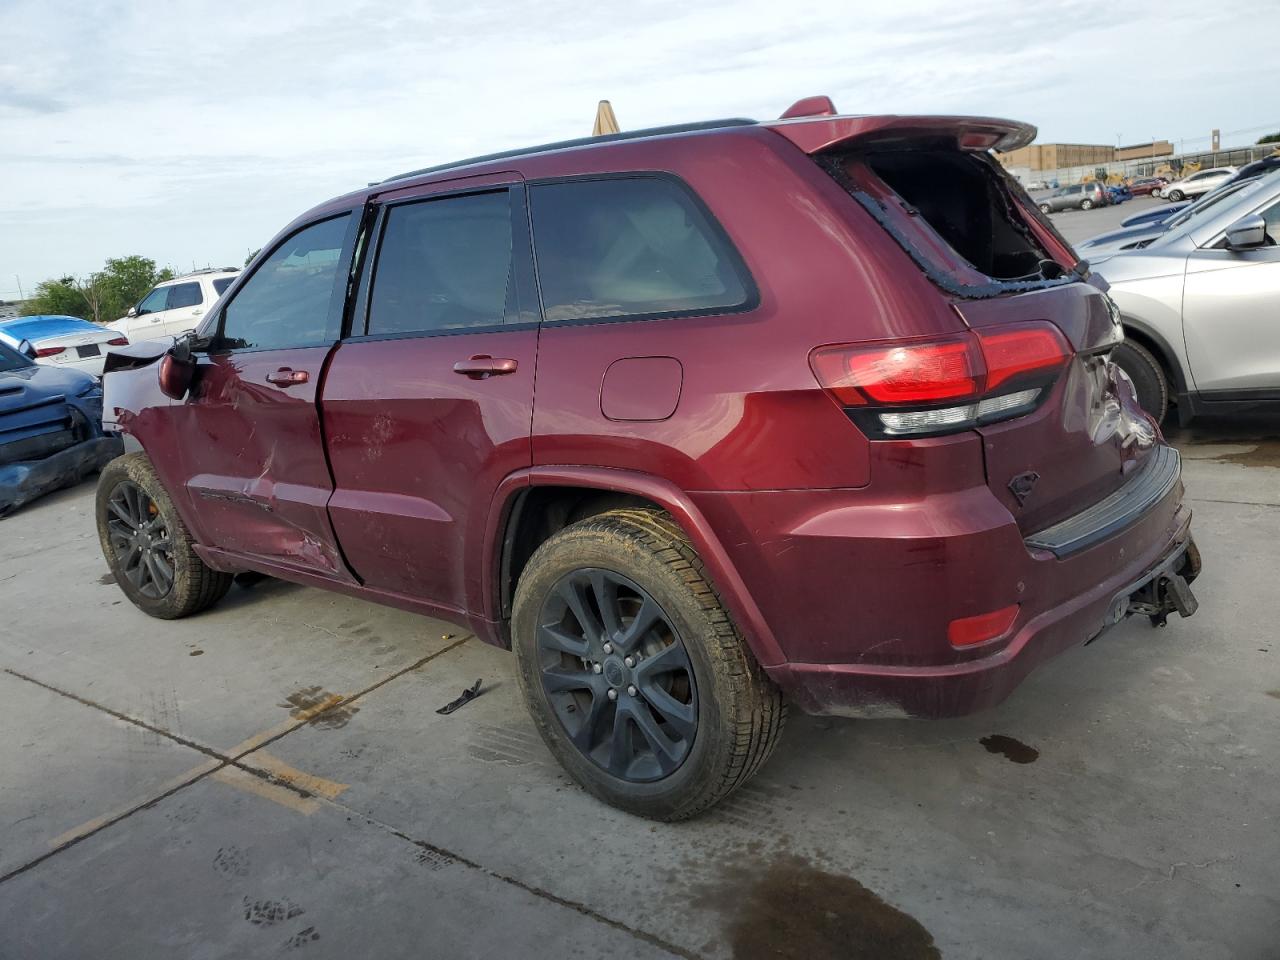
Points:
[(953, 212)]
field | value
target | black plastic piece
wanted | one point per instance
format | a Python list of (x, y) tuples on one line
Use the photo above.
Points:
[(1148, 486), (467, 696)]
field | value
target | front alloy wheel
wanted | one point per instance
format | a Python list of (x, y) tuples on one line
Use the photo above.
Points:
[(617, 675), (140, 540)]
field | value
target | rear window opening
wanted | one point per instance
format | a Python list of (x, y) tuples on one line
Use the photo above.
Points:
[(953, 213)]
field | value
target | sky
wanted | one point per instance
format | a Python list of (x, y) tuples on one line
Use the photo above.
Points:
[(190, 131)]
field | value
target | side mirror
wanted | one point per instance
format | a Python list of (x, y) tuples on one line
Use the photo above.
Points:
[(27, 349), (133, 312), (1247, 233), (177, 370)]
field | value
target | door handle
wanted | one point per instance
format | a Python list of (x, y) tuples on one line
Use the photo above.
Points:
[(284, 377), (482, 365)]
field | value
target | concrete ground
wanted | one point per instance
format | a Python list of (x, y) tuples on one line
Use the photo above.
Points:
[(272, 777)]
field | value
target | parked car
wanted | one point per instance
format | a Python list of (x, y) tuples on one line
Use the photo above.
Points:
[(1095, 249), (62, 341), (1079, 196), (1199, 304), (1118, 193), (175, 306), (886, 483), (1144, 186), (50, 428), (1155, 214), (1197, 184)]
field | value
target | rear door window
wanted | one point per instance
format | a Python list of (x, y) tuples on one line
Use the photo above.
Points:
[(220, 285), (631, 247), (443, 264), (184, 295)]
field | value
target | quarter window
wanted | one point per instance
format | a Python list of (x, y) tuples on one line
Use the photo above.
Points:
[(633, 246), (220, 285), (288, 302), (443, 265)]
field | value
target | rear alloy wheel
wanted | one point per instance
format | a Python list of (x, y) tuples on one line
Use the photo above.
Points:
[(637, 679), (1174, 196), (1149, 380), (1086, 204), (147, 546), (1045, 208)]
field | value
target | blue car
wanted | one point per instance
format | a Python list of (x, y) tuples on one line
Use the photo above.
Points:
[(1156, 215), (1119, 193), (50, 428)]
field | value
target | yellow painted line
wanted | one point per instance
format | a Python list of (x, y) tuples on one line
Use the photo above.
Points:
[(238, 778), (75, 833), (248, 782), (329, 789)]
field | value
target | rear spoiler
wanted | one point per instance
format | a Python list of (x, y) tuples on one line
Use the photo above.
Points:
[(821, 134)]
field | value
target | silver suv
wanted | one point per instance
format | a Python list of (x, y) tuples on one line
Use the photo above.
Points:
[(1078, 196), (1199, 306)]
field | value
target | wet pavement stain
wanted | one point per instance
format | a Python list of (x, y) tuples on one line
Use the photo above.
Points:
[(1274, 693), (790, 908), (1012, 749), (107, 578), (196, 653), (308, 700), (1264, 453)]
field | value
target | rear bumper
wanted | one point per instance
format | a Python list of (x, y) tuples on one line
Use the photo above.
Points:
[(959, 689), (860, 595)]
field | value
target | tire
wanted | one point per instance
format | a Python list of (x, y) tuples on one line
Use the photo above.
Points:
[(1148, 376), (140, 554), (1086, 204), (1173, 196), (1045, 208), (628, 557)]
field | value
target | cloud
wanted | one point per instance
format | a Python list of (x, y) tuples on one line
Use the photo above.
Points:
[(194, 134)]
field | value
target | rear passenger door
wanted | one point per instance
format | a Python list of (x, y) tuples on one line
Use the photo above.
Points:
[(184, 308), (428, 403)]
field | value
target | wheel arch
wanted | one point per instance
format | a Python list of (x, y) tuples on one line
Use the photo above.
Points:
[(534, 504), (1145, 335)]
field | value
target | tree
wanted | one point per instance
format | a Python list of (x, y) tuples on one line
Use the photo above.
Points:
[(61, 296), (102, 296), (1270, 138), (125, 281)]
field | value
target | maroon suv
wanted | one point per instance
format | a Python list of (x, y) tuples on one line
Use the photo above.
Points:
[(698, 420)]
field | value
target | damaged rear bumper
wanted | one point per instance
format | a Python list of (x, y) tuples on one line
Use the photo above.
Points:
[(1154, 586), (25, 480)]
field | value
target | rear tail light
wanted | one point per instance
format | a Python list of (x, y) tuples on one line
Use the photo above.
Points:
[(966, 631), (925, 387), (49, 351), (118, 342)]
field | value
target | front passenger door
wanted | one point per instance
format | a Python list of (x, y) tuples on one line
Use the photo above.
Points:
[(1231, 318), (254, 456)]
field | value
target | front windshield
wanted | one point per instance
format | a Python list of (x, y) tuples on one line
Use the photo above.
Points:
[(1207, 201), (11, 359)]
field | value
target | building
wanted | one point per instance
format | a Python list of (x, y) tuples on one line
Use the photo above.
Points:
[(1059, 156), (1145, 151), (1055, 156)]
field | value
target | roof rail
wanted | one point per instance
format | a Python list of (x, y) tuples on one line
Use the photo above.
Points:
[(579, 142)]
